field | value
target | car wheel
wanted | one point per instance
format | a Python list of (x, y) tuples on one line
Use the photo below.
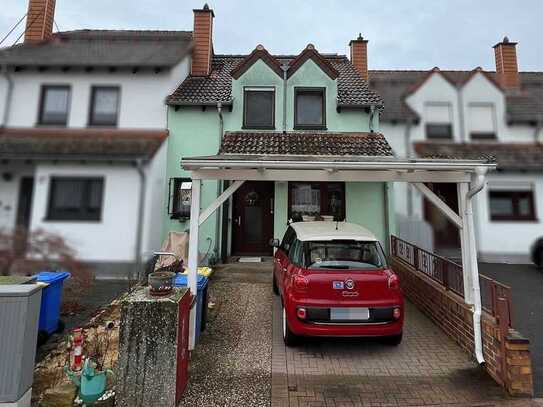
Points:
[(289, 338), (538, 257), (394, 340), (275, 288)]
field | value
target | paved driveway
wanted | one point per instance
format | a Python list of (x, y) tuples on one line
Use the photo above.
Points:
[(426, 369), (527, 285)]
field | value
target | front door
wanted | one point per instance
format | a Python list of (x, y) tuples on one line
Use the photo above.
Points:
[(24, 210), (252, 219)]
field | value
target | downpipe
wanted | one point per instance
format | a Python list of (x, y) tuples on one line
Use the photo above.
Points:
[(218, 217), (284, 67), (478, 183), (9, 93), (140, 168)]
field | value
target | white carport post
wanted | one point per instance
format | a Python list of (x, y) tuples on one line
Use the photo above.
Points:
[(472, 290), (193, 255)]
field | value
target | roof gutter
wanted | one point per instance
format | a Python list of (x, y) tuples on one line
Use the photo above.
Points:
[(72, 158), (9, 93), (429, 165)]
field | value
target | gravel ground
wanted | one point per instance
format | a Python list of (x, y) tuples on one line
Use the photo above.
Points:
[(231, 366)]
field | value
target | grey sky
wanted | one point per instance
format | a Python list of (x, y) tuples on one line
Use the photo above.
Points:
[(403, 34)]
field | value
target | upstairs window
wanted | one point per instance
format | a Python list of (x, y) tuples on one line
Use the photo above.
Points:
[(512, 205), (75, 199), (438, 121), (54, 105), (104, 106), (310, 108), (482, 121), (179, 198), (259, 108)]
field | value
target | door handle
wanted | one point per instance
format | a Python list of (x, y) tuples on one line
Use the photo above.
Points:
[(238, 220), (284, 269)]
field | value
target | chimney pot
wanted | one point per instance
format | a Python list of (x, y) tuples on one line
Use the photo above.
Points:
[(506, 64), (39, 20), (359, 55), (202, 38)]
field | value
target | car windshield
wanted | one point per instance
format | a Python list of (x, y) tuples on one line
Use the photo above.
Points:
[(344, 254)]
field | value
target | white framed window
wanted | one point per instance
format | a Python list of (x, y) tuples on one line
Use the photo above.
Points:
[(482, 121), (438, 117)]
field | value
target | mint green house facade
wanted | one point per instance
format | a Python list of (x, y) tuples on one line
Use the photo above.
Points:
[(248, 106)]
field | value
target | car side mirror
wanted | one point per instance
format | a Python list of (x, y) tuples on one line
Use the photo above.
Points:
[(274, 242)]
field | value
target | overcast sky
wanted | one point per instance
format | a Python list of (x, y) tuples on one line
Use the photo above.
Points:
[(403, 34)]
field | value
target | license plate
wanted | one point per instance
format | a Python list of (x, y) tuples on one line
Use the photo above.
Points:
[(349, 314)]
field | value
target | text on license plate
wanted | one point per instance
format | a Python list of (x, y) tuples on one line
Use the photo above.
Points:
[(346, 314)]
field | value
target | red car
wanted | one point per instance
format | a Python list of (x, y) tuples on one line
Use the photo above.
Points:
[(333, 280)]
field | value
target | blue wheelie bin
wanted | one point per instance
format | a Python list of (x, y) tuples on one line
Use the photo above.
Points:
[(201, 300), (50, 300)]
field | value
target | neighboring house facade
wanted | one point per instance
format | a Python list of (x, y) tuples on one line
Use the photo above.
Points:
[(83, 135), (472, 114), (258, 105)]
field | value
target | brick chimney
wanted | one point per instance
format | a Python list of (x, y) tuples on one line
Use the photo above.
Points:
[(506, 64), (202, 37), (39, 20), (359, 55)]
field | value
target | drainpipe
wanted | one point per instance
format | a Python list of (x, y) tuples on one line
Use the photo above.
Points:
[(409, 153), (372, 113), (477, 184), (9, 93), (461, 122), (140, 168), (219, 185), (284, 67), (538, 128)]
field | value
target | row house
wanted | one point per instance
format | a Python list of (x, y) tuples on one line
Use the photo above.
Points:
[(471, 114), (83, 135)]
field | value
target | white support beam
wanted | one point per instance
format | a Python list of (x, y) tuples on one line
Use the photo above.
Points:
[(192, 276), (330, 176), (206, 213), (439, 204)]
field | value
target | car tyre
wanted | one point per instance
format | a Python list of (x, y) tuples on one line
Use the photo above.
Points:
[(394, 340), (275, 287), (289, 338)]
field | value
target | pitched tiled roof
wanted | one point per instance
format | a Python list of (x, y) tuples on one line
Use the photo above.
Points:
[(508, 156), (305, 143), (352, 89), (523, 106), (108, 48), (78, 144)]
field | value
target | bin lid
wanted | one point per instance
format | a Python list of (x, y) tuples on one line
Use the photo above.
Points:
[(181, 281), (51, 276), (10, 280), (19, 290)]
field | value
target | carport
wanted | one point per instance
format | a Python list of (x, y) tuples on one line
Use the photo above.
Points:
[(469, 175)]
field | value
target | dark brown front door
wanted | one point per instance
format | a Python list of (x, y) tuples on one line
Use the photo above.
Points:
[(252, 221), (446, 234)]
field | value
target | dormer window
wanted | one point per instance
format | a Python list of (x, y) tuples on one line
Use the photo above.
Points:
[(54, 105), (438, 121), (309, 108), (259, 108)]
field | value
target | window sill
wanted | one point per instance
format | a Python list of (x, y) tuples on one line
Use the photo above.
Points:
[(258, 127), (514, 220), (310, 128), (103, 126), (60, 125), (56, 220)]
